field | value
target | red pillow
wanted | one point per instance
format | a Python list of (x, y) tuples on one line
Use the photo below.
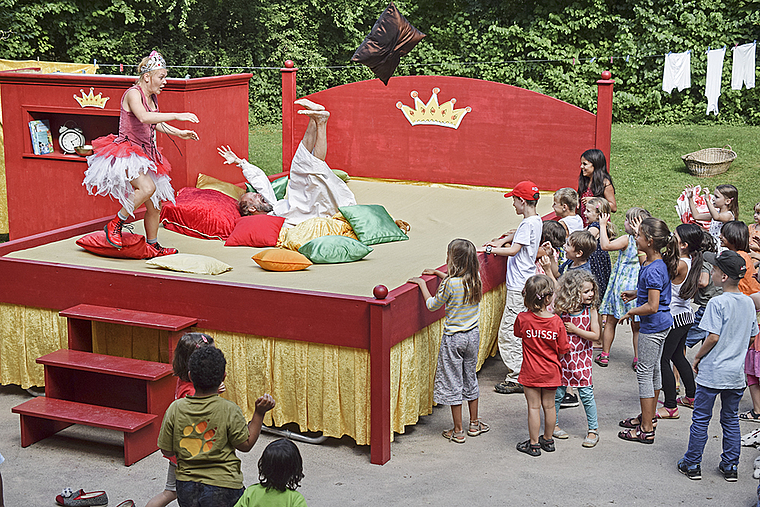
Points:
[(134, 247), (256, 230), (201, 213)]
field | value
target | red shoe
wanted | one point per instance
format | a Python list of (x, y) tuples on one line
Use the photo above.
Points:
[(113, 232), (161, 251)]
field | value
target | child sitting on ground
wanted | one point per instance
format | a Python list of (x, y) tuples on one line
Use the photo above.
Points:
[(578, 248), (719, 363), (565, 207), (280, 473), (576, 301), (188, 344), (455, 377), (203, 431), (544, 340)]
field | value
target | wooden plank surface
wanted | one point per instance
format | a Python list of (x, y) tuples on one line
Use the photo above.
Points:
[(112, 365), (80, 413), (129, 317)]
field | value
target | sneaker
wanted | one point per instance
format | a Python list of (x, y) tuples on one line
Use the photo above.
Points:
[(728, 471), (693, 472), (113, 232), (569, 401), (160, 251), (508, 388)]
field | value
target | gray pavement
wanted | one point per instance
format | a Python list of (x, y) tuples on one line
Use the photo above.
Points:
[(424, 469)]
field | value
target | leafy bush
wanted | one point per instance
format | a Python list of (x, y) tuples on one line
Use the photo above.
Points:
[(551, 46)]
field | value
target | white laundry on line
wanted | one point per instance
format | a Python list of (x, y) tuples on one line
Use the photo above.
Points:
[(743, 70), (677, 71), (714, 73)]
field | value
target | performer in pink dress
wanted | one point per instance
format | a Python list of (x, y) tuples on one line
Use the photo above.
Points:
[(129, 167)]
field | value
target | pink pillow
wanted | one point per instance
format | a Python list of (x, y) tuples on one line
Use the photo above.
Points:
[(134, 247), (256, 230), (201, 213)]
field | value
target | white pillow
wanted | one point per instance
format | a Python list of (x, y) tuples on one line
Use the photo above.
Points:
[(189, 263)]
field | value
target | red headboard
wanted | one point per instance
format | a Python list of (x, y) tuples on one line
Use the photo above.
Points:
[(505, 134)]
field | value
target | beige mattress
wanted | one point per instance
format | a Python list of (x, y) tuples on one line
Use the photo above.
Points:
[(436, 213)]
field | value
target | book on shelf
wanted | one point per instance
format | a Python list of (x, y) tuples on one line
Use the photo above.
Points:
[(42, 139)]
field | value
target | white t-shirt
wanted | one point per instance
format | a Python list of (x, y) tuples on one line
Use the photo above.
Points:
[(522, 266), (573, 223)]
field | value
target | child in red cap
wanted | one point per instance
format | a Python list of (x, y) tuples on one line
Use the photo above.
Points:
[(521, 249)]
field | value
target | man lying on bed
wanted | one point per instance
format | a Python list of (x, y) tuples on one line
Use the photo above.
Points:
[(313, 189)]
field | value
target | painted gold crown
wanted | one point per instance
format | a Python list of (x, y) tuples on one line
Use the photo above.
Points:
[(432, 113), (92, 100)]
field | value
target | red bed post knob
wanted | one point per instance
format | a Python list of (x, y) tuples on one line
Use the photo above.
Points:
[(380, 291), (606, 74), (289, 64)]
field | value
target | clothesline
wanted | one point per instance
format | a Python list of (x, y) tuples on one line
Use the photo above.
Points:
[(571, 60)]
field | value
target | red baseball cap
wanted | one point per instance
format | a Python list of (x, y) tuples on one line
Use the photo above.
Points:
[(526, 189)]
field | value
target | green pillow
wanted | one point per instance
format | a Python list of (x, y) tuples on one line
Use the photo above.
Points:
[(372, 224), (334, 249), (280, 185)]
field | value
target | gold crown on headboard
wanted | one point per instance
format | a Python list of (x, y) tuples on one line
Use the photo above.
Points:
[(92, 100), (443, 115)]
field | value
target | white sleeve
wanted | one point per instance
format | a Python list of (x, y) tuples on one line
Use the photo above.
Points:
[(258, 180)]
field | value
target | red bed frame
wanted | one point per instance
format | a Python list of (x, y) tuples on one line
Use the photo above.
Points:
[(508, 134)]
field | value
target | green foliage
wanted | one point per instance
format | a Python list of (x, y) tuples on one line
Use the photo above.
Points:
[(526, 44)]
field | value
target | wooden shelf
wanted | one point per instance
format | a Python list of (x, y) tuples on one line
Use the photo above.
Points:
[(56, 156)]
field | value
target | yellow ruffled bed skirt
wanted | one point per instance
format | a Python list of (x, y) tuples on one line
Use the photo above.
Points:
[(322, 388)]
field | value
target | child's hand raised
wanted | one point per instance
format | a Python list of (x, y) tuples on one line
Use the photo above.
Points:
[(689, 191), (264, 404), (635, 222), (222, 388), (603, 219)]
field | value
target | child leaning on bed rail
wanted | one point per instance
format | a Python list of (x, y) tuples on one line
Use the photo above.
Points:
[(460, 291)]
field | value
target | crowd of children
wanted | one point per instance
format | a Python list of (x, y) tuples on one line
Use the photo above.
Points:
[(564, 298)]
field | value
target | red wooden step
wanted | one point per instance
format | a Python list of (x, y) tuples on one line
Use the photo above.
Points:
[(112, 365), (129, 317), (82, 413)]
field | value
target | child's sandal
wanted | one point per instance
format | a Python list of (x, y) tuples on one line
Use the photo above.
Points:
[(671, 413), (529, 449), (637, 435), (454, 436), (635, 363), (632, 422), (547, 445), (477, 427), (602, 359)]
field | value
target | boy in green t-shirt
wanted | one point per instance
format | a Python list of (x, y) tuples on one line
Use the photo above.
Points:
[(204, 430)]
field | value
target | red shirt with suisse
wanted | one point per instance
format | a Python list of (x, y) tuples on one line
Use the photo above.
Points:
[(544, 340)]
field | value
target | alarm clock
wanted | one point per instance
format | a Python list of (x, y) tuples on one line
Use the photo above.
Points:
[(70, 136)]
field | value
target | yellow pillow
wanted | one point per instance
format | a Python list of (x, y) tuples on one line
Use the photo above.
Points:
[(189, 263), (206, 181), (295, 237), (277, 259)]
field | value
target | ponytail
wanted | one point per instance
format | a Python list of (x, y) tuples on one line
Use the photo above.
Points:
[(672, 256), (693, 236)]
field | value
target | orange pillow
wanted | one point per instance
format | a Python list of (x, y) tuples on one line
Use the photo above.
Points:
[(278, 259)]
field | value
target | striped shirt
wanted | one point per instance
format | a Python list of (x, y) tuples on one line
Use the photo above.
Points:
[(459, 316)]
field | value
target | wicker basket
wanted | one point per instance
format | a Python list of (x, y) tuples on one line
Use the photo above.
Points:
[(710, 161)]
